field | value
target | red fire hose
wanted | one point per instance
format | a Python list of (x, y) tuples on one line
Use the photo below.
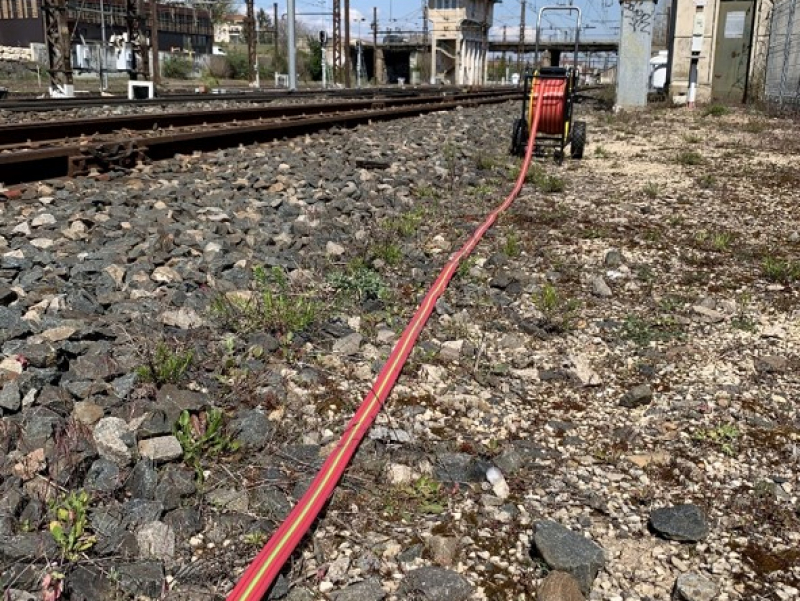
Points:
[(261, 573)]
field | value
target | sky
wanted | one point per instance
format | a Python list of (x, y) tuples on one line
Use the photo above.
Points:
[(599, 16)]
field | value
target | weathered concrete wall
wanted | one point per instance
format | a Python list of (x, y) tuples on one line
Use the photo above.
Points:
[(11, 53), (635, 44)]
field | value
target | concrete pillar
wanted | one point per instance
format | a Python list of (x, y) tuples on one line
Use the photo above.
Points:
[(635, 43)]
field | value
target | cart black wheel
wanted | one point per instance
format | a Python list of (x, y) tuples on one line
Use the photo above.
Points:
[(578, 139), (558, 156), (519, 137)]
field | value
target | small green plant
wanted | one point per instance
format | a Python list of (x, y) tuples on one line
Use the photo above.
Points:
[(272, 306), (707, 181), (651, 190), (426, 494), (691, 138), (689, 157), (484, 162), (600, 152), (202, 436), (780, 270), (165, 366), (723, 436), (511, 247), (742, 321), (716, 110), (547, 300), (406, 224), (388, 252), (465, 267), (721, 241), (69, 524), (427, 192), (257, 538), (643, 332), (360, 281)]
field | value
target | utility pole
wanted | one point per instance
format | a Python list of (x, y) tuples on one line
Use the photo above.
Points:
[(347, 81), (59, 51), (135, 20), (154, 43), (292, 48), (275, 31), (102, 57), (521, 48), (425, 21), (337, 39), (375, 45), (250, 26)]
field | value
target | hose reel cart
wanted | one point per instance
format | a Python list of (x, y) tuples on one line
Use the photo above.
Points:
[(558, 85)]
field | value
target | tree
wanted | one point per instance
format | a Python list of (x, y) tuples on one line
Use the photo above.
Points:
[(314, 60), (218, 9), (264, 26)]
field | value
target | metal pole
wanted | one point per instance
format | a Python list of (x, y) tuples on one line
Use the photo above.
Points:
[(358, 64), (521, 47), (290, 43), (251, 42), (275, 31), (337, 39), (347, 66), (375, 45), (154, 43), (103, 74), (324, 66), (258, 35)]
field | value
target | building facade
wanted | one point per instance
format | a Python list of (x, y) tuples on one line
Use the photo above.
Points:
[(230, 30), (717, 49), (459, 40), (180, 27)]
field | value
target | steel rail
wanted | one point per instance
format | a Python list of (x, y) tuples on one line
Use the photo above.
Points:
[(264, 569), (54, 104), (78, 159), (38, 131)]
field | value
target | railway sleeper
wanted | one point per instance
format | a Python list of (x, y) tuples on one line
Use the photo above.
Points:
[(105, 157)]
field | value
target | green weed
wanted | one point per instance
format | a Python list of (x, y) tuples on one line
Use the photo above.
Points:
[(388, 252), (202, 436), (600, 152), (271, 307), (716, 110), (723, 436), (643, 332), (689, 157), (70, 522), (511, 247), (406, 224), (549, 184), (780, 270), (360, 281), (707, 181), (651, 190), (691, 138), (165, 366)]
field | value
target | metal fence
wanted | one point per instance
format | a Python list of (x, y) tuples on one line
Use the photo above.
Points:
[(782, 77)]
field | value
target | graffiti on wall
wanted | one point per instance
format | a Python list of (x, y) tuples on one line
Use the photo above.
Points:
[(639, 19)]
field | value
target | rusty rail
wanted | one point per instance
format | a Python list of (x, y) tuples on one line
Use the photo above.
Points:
[(79, 159)]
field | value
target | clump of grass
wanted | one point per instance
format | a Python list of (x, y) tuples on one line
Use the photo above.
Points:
[(755, 126), (359, 281), (723, 436), (388, 252), (427, 192), (424, 495), (202, 436), (691, 138), (547, 183), (707, 181), (719, 241), (643, 332), (716, 110), (780, 270), (484, 162), (689, 157), (272, 306), (406, 224), (600, 152), (165, 366), (559, 313), (70, 522), (651, 190), (511, 247)]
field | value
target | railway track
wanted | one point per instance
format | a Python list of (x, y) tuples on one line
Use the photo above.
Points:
[(53, 104), (45, 150)]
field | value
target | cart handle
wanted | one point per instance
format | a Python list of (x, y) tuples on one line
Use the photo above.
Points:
[(577, 29)]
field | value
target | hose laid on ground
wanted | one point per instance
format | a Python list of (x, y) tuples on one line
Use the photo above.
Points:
[(261, 573)]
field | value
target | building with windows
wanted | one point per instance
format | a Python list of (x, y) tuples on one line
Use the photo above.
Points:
[(459, 40), (230, 30), (181, 27)]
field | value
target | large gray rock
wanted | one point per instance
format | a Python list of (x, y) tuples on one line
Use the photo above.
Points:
[(252, 429), (435, 584), (637, 397), (161, 449), (156, 540), (367, 590), (144, 578), (564, 550), (682, 523), (559, 586), (114, 440), (694, 587)]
